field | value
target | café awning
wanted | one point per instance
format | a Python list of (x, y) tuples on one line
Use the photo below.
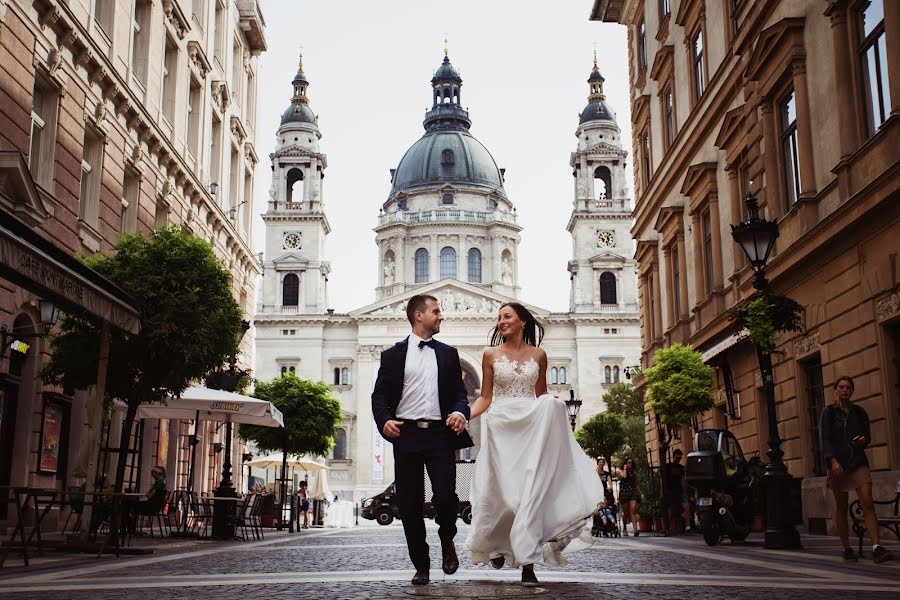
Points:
[(39, 266), (723, 345), (207, 404)]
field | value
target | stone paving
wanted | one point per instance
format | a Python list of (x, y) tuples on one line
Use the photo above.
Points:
[(371, 562)]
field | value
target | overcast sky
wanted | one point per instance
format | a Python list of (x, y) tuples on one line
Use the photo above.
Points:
[(524, 66)]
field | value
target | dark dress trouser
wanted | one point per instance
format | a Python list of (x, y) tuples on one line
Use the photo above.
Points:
[(414, 451)]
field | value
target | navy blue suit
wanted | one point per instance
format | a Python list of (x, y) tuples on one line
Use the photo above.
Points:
[(418, 449)]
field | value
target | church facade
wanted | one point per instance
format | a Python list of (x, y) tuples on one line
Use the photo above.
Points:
[(449, 229)]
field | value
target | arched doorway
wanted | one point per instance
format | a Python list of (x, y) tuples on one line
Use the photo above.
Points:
[(473, 385)]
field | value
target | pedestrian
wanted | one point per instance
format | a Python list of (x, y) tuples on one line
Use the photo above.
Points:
[(673, 490), (420, 405), (534, 490), (845, 435), (303, 494), (605, 519), (630, 496)]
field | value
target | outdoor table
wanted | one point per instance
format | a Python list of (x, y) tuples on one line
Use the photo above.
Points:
[(32, 495), (116, 517)]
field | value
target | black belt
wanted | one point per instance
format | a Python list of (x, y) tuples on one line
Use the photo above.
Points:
[(424, 424)]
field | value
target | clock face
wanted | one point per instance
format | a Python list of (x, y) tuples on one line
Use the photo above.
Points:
[(606, 238), (292, 240)]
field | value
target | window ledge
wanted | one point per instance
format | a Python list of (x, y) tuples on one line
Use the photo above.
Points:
[(90, 237), (342, 387)]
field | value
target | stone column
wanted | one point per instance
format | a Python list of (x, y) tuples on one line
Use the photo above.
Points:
[(737, 215), (647, 335), (671, 317), (697, 235), (496, 276), (804, 131), (682, 277), (892, 35), (847, 123), (657, 310), (462, 265), (718, 281), (774, 203), (307, 183), (435, 260)]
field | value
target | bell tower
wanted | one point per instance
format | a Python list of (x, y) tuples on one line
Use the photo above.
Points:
[(295, 279), (602, 268)]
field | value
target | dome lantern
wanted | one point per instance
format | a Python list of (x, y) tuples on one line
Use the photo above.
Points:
[(597, 108), (299, 110)]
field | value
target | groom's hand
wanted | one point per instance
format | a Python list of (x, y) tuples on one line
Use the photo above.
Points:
[(392, 429), (456, 422)]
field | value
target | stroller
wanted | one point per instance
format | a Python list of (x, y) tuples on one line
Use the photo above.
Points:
[(606, 520)]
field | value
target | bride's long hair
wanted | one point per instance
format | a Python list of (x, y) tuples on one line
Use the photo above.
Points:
[(534, 331)]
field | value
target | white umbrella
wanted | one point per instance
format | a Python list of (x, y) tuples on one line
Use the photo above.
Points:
[(214, 405), (275, 460), (319, 488)]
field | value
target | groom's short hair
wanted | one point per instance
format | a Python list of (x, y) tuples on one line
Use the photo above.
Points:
[(415, 303)]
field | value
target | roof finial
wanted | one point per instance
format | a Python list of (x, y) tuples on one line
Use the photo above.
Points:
[(446, 51), (595, 55)]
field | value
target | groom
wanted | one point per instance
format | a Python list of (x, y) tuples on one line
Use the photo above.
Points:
[(419, 403)]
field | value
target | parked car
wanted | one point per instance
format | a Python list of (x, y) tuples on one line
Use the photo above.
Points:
[(383, 507)]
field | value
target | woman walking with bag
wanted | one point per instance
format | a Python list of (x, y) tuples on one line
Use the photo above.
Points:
[(845, 435), (629, 496)]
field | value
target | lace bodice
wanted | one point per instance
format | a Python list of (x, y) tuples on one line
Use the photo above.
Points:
[(510, 381)]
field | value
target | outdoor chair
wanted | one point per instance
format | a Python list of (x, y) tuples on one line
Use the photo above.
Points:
[(242, 515), (76, 509), (255, 518), (201, 514)]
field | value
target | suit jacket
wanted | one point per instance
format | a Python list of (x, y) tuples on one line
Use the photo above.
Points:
[(389, 387)]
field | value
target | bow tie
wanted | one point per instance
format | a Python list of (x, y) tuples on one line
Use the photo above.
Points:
[(430, 343)]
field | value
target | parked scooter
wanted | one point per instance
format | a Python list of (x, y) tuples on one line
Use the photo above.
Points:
[(724, 483)]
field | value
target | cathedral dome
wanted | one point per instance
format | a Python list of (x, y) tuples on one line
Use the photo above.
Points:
[(597, 110), (454, 157), (298, 113), (447, 153)]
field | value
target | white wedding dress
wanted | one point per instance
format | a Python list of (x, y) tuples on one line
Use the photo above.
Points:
[(534, 488)]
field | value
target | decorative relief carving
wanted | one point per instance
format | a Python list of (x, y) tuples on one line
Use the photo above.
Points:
[(198, 59), (175, 18), (888, 307), (807, 345), (452, 302)]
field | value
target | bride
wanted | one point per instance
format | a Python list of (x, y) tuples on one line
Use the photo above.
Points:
[(534, 488)]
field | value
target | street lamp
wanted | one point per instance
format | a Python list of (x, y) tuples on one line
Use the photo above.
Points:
[(756, 237), (572, 407)]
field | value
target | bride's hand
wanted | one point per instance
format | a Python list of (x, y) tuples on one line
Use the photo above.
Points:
[(456, 422)]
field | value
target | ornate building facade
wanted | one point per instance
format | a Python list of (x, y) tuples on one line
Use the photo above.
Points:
[(447, 228), (798, 103), (119, 116)]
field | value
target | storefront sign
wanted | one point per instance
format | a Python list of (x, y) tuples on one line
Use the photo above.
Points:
[(32, 268)]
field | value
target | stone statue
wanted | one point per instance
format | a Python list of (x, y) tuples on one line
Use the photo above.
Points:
[(506, 270), (389, 271)]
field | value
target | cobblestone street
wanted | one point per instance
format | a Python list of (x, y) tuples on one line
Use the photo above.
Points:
[(371, 562)]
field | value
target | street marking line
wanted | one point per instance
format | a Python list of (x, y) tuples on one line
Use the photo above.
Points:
[(777, 566), (392, 576), (139, 562)]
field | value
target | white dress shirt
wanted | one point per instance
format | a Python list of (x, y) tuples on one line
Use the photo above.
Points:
[(420, 399)]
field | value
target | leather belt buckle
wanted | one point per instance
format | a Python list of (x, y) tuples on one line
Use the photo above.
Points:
[(423, 424)]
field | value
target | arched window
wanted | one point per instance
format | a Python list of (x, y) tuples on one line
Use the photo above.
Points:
[(339, 451), (474, 265), (602, 183), (345, 375), (448, 262), (337, 376), (290, 290), (447, 157), (295, 185), (607, 371), (421, 265), (562, 375), (607, 288), (616, 374), (554, 377)]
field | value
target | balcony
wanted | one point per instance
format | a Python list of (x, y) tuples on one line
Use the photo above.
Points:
[(253, 25), (446, 216)]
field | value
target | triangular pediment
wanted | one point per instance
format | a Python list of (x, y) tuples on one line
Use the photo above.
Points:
[(607, 257), (605, 148), (290, 260), (456, 298), (18, 193)]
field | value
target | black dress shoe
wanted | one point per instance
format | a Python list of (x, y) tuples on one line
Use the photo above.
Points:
[(498, 562), (528, 577), (421, 577), (451, 562)]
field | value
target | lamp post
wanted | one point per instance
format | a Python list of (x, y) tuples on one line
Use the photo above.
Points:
[(756, 237), (572, 407)]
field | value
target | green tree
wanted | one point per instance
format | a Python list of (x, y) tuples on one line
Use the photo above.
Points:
[(622, 398), (311, 416), (190, 324), (635, 444), (679, 385), (602, 435)]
